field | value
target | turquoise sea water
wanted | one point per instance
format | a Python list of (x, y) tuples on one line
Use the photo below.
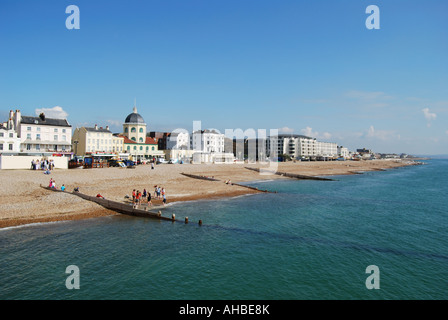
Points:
[(311, 240)]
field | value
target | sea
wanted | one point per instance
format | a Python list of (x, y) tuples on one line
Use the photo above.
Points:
[(380, 235)]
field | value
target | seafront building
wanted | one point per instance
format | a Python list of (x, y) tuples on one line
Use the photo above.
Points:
[(343, 152), (28, 135), (136, 141), (9, 140), (208, 146), (94, 140), (299, 146)]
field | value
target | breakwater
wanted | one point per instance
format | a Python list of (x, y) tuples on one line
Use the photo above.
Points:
[(291, 175)]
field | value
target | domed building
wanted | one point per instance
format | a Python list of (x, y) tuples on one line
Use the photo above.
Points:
[(136, 143), (134, 127)]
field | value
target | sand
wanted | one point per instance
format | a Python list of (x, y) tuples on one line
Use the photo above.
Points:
[(23, 201)]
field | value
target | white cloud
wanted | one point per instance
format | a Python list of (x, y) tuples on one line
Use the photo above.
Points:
[(56, 112), (114, 122), (367, 95), (286, 130), (429, 116), (381, 134), (308, 131)]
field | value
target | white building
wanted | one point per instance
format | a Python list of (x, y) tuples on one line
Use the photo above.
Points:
[(37, 135), (9, 141), (44, 135), (208, 146), (178, 141), (343, 152), (297, 146)]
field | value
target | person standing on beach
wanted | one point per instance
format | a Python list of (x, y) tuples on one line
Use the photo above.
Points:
[(138, 197), (144, 193), (149, 199), (133, 196)]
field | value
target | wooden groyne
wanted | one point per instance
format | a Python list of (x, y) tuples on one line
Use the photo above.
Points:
[(231, 183), (199, 177), (122, 208), (292, 175), (253, 188)]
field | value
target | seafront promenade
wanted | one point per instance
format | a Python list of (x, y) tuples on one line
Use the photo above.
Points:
[(23, 201)]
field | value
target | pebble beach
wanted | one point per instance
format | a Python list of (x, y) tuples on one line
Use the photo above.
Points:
[(23, 201)]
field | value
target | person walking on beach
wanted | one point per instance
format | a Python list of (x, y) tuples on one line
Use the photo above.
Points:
[(164, 199)]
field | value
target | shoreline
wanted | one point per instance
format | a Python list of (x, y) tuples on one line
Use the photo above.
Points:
[(110, 182)]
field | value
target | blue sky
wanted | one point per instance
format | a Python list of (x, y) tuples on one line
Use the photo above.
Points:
[(308, 67)]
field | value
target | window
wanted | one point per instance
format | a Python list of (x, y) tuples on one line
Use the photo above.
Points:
[(133, 138), (141, 148), (129, 148), (11, 146), (141, 130), (1, 147), (28, 147), (28, 136), (55, 137), (135, 148), (11, 135), (64, 131), (55, 129), (37, 146), (126, 130), (152, 148), (28, 128), (64, 138), (38, 136), (133, 129), (141, 139), (1, 134), (38, 129)]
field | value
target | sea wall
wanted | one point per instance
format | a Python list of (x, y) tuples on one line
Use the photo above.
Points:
[(24, 162)]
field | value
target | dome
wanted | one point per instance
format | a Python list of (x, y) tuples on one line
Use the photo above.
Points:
[(134, 117)]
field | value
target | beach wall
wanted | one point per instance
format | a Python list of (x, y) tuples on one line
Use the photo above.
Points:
[(24, 162)]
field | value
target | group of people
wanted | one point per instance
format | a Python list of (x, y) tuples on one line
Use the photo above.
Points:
[(139, 197), (52, 184), (43, 164)]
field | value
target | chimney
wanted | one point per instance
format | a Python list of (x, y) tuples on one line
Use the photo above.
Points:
[(10, 124), (42, 116), (96, 127), (107, 127), (11, 114), (17, 120)]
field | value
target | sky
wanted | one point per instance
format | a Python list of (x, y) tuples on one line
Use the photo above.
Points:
[(303, 67)]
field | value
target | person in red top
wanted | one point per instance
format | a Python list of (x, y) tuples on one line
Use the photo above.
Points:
[(138, 197)]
